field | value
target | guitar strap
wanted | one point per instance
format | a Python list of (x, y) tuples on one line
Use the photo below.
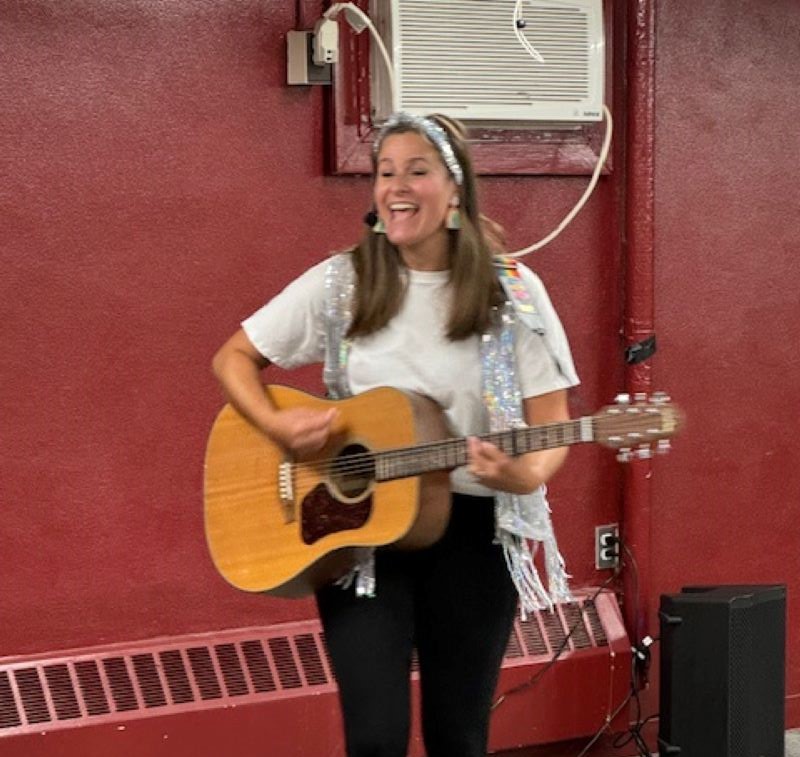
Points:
[(526, 311), (517, 293), (522, 522)]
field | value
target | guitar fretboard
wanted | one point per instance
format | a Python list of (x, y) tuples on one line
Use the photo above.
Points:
[(452, 453)]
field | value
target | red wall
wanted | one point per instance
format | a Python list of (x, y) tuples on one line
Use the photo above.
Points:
[(160, 181), (727, 504)]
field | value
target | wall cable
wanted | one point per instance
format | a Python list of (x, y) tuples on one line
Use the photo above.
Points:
[(640, 662), (358, 20), (557, 654), (601, 160)]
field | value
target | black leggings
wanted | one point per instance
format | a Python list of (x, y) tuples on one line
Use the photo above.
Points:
[(455, 602)]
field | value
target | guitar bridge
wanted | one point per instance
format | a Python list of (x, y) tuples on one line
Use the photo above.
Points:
[(286, 490)]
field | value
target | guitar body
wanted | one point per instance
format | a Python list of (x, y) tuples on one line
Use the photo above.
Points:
[(262, 540), (287, 527)]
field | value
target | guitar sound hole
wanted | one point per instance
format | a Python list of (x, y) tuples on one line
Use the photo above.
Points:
[(353, 471)]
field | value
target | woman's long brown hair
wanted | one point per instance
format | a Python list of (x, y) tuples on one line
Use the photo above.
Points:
[(380, 285)]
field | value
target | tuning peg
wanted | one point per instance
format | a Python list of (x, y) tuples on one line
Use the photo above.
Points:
[(663, 446), (622, 399), (640, 397), (660, 398), (624, 455), (644, 453)]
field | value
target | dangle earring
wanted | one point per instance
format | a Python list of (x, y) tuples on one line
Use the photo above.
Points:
[(453, 220), (374, 222)]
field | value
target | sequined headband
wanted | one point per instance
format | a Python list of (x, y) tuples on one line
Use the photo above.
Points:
[(435, 134)]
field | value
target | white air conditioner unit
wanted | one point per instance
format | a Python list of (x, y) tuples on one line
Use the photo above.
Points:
[(462, 58)]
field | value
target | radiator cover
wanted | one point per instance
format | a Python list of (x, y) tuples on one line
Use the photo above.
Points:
[(271, 690)]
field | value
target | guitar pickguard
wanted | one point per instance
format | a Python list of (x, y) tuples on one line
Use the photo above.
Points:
[(322, 514)]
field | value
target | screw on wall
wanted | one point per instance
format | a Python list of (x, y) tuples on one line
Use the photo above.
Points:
[(606, 547)]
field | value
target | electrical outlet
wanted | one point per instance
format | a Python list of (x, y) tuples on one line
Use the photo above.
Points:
[(606, 547)]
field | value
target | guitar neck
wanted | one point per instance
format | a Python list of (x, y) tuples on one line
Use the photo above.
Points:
[(452, 453)]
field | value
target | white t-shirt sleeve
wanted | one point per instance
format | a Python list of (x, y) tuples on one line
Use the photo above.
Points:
[(544, 361), (289, 329)]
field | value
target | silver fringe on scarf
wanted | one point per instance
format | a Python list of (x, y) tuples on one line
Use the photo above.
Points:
[(339, 287), (522, 522)]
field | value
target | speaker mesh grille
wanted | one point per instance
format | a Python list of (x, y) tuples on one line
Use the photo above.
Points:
[(722, 676)]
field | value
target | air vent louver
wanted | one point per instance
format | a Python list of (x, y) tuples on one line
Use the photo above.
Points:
[(462, 58), (251, 665)]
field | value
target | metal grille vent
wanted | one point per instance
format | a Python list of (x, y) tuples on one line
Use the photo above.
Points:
[(290, 660), (463, 59)]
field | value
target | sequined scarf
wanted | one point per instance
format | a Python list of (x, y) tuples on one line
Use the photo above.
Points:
[(522, 522)]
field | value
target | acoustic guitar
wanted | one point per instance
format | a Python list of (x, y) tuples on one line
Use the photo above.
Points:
[(285, 526)]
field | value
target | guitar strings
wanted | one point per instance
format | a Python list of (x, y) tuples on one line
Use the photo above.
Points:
[(363, 461), (423, 450), (366, 462)]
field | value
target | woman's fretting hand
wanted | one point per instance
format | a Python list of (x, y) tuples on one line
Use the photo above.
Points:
[(493, 468)]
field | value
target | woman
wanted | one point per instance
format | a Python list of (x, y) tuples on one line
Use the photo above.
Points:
[(425, 298)]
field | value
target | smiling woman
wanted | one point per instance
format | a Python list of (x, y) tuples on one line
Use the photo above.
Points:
[(425, 196), (414, 193), (418, 306)]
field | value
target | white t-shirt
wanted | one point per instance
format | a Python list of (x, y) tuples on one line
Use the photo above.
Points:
[(412, 352)]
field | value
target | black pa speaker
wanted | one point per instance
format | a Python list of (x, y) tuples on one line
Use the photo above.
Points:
[(722, 686)]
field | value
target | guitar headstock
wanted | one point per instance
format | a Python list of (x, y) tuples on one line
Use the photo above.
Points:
[(638, 427)]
